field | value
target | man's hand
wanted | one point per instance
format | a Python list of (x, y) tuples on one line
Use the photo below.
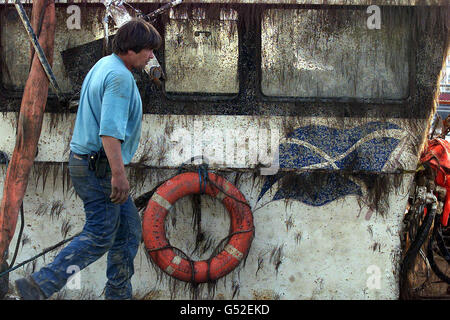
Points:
[(120, 188), (119, 183)]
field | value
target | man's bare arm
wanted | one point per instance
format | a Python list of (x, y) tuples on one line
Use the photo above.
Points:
[(119, 182)]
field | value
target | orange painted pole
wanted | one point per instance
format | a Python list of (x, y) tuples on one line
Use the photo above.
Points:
[(29, 127)]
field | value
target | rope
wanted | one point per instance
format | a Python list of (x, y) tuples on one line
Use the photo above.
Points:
[(38, 49), (38, 32), (229, 195), (203, 172), (39, 255), (191, 261), (203, 176), (4, 157), (22, 225)]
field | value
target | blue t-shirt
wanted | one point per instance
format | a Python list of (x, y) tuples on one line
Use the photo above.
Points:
[(110, 105)]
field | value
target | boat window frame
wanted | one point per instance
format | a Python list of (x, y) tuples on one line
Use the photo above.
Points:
[(294, 99), (203, 96)]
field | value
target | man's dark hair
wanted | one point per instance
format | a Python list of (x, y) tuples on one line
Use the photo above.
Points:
[(136, 34)]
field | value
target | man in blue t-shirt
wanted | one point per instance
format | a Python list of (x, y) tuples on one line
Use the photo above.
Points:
[(107, 128)]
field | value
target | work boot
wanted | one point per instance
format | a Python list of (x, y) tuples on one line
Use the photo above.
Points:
[(28, 289)]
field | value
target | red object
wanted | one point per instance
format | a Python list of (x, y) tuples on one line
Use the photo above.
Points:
[(241, 220), (29, 125), (444, 98), (438, 156)]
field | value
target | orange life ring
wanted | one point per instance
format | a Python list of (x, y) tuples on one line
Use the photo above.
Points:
[(241, 229)]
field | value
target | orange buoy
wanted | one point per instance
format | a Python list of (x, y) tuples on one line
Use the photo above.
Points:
[(241, 229)]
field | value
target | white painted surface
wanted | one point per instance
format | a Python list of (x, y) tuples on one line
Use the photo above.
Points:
[(338, 245), (327, 251), (169, 140)]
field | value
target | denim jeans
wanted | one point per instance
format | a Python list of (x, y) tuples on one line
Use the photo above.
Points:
[(109, 228)]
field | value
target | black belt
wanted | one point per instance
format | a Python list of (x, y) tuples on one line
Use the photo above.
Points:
[(97, 161)]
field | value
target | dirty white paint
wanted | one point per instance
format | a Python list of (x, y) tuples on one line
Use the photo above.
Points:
[(325, 252), (169, 140)]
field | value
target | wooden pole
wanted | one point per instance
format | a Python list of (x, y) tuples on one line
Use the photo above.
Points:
[(29, 126)]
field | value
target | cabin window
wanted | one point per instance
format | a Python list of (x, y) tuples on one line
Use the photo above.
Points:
[(201, 54), (333, 54), (15, 45)]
